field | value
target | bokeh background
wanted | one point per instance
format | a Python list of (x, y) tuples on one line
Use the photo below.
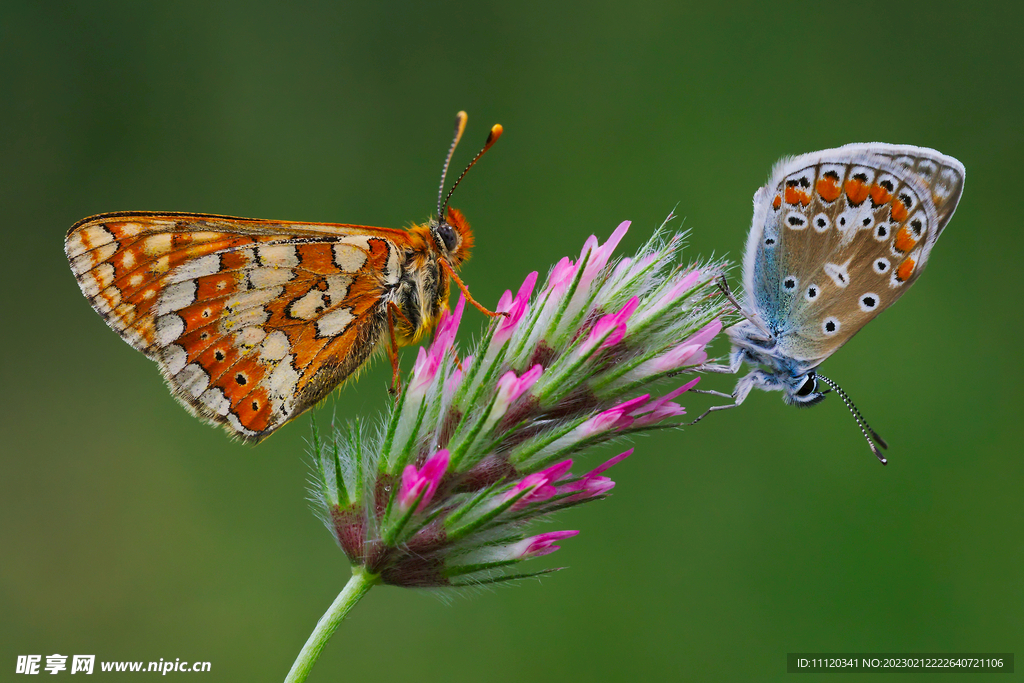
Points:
[(133, 532)]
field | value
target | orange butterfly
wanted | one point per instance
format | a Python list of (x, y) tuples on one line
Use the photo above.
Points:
[(254, 321)]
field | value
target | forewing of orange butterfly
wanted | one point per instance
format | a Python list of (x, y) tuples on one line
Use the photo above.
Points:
[(253, 321)]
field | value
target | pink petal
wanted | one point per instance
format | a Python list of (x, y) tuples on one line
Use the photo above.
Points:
[(706, 333), (423, 481), (561, 276), (604, 467), (542, 544)]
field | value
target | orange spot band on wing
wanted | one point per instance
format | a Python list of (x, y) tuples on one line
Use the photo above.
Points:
[(899, 211), (828, 188), (904, 241), (777, 203), (795, 196), (856, 191), (905, 270), (879, 195)]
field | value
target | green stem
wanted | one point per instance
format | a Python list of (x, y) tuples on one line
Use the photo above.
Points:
[(354, 590)]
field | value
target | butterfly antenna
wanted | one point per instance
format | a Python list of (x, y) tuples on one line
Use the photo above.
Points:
[(492, 137), (460, 126), (865, 428)]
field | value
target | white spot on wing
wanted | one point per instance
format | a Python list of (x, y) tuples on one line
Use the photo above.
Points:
[(361, 241), (176, 297), (244, 318), (214, 399), (155, 245), (129, 229), (108, 300), (839, 273), (249, 337), (275, 346), (393, 271), (200, 267), (349, 258), (253, 298), (283, 379), (86, 261), (127, 259), (278, 256), (174, 358), (307, 306), (334, 323), (269, 277), (98, 278), (192, 379), (93, 236), (168, 328)]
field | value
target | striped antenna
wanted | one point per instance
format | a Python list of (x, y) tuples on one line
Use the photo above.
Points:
[(865, 428), (492, 137), (460, 126)]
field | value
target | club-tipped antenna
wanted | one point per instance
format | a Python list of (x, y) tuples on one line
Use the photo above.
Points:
[(460, 123), (865, 428), (460, 126)]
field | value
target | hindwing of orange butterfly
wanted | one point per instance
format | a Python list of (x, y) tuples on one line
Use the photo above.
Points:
[(253, 321)]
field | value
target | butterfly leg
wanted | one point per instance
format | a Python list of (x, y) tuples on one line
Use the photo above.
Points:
[(757, 378), (465, 291), (396, 381)]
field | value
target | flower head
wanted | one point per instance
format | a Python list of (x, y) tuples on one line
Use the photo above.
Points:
[(475, 451)]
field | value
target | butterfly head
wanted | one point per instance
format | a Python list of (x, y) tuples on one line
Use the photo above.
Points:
[(452, 236), (802, 390)]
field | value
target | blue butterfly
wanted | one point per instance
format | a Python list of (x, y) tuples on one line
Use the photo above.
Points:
[(837, 237)]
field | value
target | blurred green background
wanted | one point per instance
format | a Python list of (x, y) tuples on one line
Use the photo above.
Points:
[(131, 531)]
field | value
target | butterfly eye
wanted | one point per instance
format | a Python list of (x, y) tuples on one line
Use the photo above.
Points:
[(809, 386), (446, 235)]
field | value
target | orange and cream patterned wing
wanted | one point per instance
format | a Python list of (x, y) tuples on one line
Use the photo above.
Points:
[(251, 322)]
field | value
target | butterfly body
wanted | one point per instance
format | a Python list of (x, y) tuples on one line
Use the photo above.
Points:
[(837, 237), (254, 321)]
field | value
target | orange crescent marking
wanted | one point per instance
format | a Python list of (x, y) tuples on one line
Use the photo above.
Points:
[(905, 270), (879, 195), (899, 211), (904, 241), (856, 191), (795, 196), (777, 203), (828, 189)]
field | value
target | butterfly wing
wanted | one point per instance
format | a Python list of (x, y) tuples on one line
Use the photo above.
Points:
[(250, 321), (839, 235)]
